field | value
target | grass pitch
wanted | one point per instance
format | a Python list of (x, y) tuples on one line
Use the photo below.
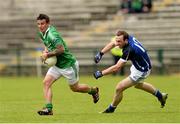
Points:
[(20, 98)]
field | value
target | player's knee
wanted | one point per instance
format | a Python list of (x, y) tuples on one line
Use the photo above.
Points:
[(74, 88), (46, 83), (119, 89), (138, 86)]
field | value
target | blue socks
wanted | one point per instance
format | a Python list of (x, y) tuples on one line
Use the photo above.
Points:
[(158, 94), (111, 108)]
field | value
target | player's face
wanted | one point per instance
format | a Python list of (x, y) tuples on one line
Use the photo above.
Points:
[(120, 41), (42, 25)]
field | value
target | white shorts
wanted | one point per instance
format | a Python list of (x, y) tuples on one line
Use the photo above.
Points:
[(138, 76), (71, 73)]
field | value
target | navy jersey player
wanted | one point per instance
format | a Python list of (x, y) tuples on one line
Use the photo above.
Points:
[(140, 69)]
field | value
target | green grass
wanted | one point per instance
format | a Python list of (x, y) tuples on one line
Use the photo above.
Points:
[(20, 98)]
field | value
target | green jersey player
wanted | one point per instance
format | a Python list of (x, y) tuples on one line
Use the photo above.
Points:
[(66, 65)]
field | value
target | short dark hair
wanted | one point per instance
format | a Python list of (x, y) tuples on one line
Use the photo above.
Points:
[(124, 33), (43, 16)]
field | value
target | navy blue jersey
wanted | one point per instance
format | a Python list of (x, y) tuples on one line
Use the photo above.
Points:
[(135, 52)]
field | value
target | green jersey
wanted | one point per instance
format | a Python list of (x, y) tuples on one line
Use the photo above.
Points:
[(51, 39)]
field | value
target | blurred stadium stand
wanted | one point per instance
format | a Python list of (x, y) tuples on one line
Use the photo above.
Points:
[(87, 25)]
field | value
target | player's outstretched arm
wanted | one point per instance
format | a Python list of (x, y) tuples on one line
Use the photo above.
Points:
[(108, 47), (99, 54), (111, 69)]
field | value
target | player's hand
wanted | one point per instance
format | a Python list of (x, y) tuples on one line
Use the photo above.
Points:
[(44, 57), (98, 57), (45, 51), (98, 74)]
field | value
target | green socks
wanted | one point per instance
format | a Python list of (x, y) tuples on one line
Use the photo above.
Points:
[(49, 106), (92, 91)]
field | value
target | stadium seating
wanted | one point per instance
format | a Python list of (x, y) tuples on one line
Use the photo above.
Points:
[(156, 30), (87, 25), (18, 26), (22, 16)]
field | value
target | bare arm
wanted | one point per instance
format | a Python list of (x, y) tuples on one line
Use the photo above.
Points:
[(59, 50), (113, 68), (108, 47), (45, 50)]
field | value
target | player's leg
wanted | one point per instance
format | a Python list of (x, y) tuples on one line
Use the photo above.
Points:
[(47, 83), (76, 87), (49, 79), (84, 88), (72, 74), (138, 77), (121, 86), (151, 89), (146, 87)]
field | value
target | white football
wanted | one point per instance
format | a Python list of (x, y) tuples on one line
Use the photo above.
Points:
[(51, 61)]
